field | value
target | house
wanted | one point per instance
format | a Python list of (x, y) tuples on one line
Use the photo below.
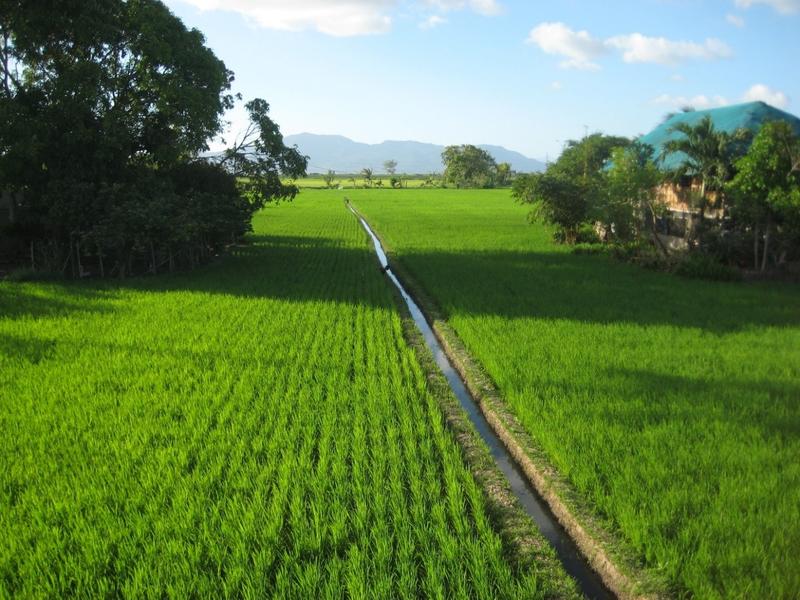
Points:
[(677, 197), (728, 119)]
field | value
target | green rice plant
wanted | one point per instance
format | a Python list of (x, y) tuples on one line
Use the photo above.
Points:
[(671, 405), (256, 428)]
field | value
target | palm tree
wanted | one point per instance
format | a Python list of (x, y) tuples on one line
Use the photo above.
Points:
[(367, 174), (708, 155)]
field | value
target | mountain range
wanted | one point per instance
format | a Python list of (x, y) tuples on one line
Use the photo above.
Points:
[(343, 155)]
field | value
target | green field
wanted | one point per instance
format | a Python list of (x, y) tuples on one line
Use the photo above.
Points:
[(258, 427), (346, 182), (262, 427), (671, 405)]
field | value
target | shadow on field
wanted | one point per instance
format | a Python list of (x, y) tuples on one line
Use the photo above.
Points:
[(509, 284), (713, 398), (32, 350), (594, 289), (288, 268), (52, 299), (280, 267)]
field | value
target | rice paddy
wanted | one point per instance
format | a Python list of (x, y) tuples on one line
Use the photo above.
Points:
[(256, 428), (672, 406), (261, 427)]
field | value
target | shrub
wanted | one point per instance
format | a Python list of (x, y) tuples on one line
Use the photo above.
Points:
[(704, 266)]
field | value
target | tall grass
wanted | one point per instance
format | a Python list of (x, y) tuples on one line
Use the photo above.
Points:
[(673, 406)]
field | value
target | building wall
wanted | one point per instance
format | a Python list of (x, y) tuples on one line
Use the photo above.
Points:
[(678, 198)]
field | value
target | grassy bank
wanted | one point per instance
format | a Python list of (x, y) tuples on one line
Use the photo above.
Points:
[(672, 406)]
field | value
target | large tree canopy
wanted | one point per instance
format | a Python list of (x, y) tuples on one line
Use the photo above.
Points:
[(469, 166), (104, 106), (570, 191)]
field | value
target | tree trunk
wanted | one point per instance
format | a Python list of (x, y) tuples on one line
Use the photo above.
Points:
[(696, 222), (755, 246), (78, 255), (16, 201), (8, 200), (766, 248), (70, 258), (659, 244)]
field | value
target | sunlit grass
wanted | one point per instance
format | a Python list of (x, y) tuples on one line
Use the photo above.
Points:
[(256, 428), (672, 405)]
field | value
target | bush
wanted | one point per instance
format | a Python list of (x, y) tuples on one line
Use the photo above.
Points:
[(704, 266), (589, 249)]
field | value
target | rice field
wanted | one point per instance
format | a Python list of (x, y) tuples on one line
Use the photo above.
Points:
[(256, 428), (672, 406)]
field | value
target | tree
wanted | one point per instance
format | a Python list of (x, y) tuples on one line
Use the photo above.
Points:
[(104, 109), (469, 166), (569, 192), (329, 178), (503, 173), (366, 173), (766, 188), (556, 200), (390, 166), (629, 200), (584, 160), (259, 159)]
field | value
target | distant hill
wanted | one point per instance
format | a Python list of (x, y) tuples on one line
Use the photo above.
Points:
[(343, 155)]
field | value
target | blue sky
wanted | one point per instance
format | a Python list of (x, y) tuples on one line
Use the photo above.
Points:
[(523, 74)]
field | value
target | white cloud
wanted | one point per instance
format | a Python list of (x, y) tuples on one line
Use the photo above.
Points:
[(336, 17), (756, 92), (578, 47), (676, 77), (785, 7), (765, 94), (638, 48), (700, 101), (483, 7), (346, 18), (556, 86), (735, 20), (432, 21)]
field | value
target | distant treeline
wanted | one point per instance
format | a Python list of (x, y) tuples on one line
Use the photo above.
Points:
[(105, 107), (466, 166)]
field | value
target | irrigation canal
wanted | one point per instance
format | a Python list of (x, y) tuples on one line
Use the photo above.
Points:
[(574, 563)]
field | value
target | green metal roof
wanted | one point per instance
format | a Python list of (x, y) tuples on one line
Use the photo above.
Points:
[(751, 115)]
